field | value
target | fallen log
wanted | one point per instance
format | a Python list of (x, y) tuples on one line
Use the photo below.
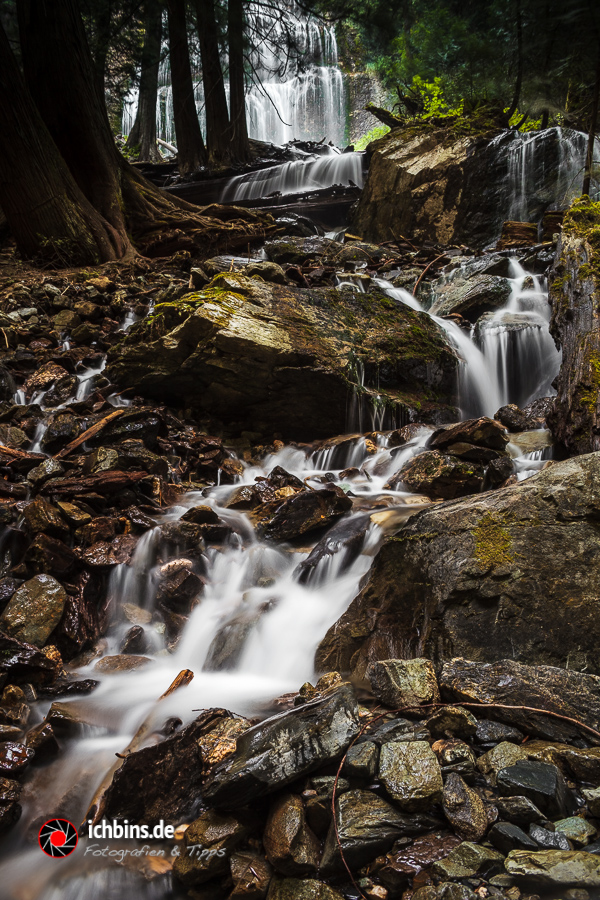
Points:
[(91, 432), (103, 482)]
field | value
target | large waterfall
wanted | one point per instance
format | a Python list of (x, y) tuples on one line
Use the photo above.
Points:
[(295, 91)]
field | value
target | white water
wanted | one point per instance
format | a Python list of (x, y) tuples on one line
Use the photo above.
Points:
[(284, 101), (301, 175)]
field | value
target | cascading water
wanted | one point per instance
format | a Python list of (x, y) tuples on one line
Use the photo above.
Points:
[(282, 104)]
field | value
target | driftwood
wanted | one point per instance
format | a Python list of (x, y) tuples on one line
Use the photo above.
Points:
[(384, 115), (97, 805), (8, 454), (103, 482), (91, 432)]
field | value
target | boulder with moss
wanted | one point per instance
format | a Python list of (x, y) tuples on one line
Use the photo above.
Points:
[(575, 326), (506, 574), (285, 359)]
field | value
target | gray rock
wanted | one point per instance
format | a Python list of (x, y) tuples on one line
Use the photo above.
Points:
[(402, 683), (464, 809), (34, 610), (411, 775), (505, 837), (548, 840), (577, 830), (283, 748), (499, 757), (452, 721), (216, 835), (592, 797), (362, 760), (471, 297), (543, 783), (519, 810), (468, 859), (554, 868)]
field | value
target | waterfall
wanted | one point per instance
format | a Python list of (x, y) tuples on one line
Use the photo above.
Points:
[(282, 104), (291, 177)]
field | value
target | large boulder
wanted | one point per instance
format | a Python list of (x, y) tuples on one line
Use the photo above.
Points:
[(34, 610), (575, 326), (471, 297), (267, 355), (507, 574)]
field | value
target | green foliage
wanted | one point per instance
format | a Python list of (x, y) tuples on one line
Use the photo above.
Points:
[(373, 135)]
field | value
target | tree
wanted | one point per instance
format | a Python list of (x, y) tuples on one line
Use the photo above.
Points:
[(143, 133), (218, 130), (191, 152), (240, 146)]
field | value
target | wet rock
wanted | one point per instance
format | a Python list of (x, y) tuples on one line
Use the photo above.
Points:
[(121, 663), (402, 864), (42, 741), (268, 271), (500, 757), (362, 761), (74, 514), (49, 555), (105, 555), (216, 835), (34, 610), (464, 809), (179, 585), (486, 575), (15, 714), (251, 875), (43, 379), (345, 540), (62, 390), (581, 764), (528, 419), (452, 721), (135, 641), (279, 750), (201, 515), (368, 826), (24, 663), (571, 694), (411, 775), (290, 845), (490, 732), (592, 797), (42, 516), (396, 730), (280, 349), (182, 537), (439, 476), (455, 756), (66, 320), (542, 783), (554, 868), (505, 837), (49, 468), (483, 432), (548, 840), (10, 810), (301, 889), (468, 859), (472, 297), (14, 758), (63, 427), (404, 683), (304, 512), (519, 811)]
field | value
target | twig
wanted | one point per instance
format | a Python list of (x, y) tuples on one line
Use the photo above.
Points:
[(93, 430), (426, 269)]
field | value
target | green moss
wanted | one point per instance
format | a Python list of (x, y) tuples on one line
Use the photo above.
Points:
[(583, 215), (589, 395), (492, 542)]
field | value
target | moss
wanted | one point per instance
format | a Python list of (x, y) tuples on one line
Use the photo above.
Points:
[(583, 215), (493, 543), (589, 395)]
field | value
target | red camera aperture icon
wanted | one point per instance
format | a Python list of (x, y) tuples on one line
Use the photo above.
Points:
[(58, 838)]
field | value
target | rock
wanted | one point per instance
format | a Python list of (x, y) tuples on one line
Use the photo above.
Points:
[(368, 826), (63, 389), (519, 810), (49, 555), (41, 516), (464, 809), (42, 740), (215, 835), (24, 663), (10, 809), (583, 765), (542, 783), (301, 889), (49, 468), (280, 349), (439, 476), (554, 868), (592, 797), (362, 761), (483, 432), (268, 271), (490, 732), (163, 781), (548, 840), (179, 585), (43, 379), (530, 418), (571, 694), (251, 875), (279, 750), (452, 721), (482, 577), (290, 845), (104, 555), (121, 663), (468, 859), (506, 837), (404, 863), (14, 758), (411, 775), (575, 417), (455, 756), (397, 730), (304, 512), (34, 610), (404, 683), (471, 297), (135, 641), (66, 320), (500, 757)]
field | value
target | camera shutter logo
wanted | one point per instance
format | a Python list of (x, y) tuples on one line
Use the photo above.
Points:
[(58, 838)]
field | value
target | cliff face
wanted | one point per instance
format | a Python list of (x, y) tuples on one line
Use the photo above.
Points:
[(575, 326)]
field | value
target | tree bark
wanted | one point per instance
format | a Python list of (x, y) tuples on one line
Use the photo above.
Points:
[(240, 146), (191, 152), (589, 162), (218, 131), (519, 79), (48, 214), (143, 133)]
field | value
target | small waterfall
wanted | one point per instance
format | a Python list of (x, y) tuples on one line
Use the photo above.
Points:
[(282, 104), (293, 177)]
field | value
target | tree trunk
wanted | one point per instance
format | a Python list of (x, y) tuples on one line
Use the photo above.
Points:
[(48, 214), (218, 132), (191, 152), (589, 162), (143, 133), (240, 146), (519, 79)]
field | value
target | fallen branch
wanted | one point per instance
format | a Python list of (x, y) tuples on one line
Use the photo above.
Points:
[(98, 803), (91, 432), (426, 269)]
